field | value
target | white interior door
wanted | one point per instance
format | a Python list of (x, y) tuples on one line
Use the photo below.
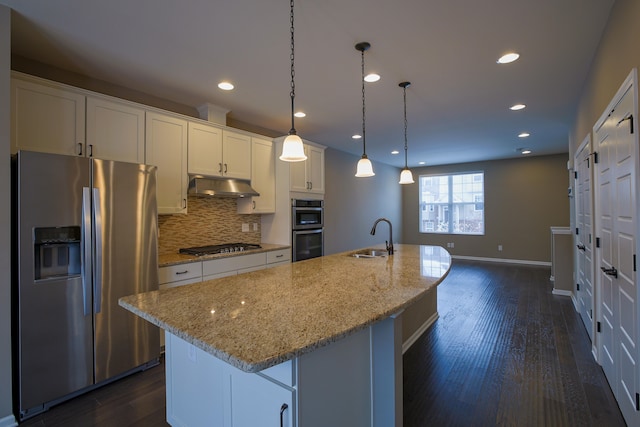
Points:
[(616, 226), (584, 237)]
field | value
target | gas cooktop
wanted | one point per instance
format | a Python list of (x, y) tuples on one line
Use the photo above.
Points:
[(219, 249)]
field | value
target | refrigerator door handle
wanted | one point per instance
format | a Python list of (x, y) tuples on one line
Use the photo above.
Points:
[(86, 250), (97, 221)]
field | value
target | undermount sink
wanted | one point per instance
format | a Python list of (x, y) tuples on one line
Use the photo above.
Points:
[(369, 253)]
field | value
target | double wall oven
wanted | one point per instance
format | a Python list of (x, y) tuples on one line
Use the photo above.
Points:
[(307, 220)]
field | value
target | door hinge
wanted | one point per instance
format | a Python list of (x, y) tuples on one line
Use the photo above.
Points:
[(598, 327), (575, 175), (637, 401), (577, 231), (634, 262), (597, 242), (577, 286), (595, 157), (591, 314)]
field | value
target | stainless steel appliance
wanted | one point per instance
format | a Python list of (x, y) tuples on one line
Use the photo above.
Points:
[(85, 234), (219, 249), (307, 219)]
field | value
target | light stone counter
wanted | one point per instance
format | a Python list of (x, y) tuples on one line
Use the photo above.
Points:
[(177, 258), (257, 320)]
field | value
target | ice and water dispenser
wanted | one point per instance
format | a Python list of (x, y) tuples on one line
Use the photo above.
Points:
[(57, 252)]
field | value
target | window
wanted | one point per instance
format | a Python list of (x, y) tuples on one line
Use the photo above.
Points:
[(452, 204)]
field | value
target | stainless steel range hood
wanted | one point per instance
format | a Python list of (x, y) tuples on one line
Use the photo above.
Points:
[(207, 186)]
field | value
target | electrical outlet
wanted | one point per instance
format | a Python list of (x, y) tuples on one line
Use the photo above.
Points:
[(452, 245), (500, 248), (245, 228), (255, 226), (192, 353)]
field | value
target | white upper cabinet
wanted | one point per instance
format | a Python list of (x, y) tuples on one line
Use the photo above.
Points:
[(217, 152), (308, 176), (236, 155), (46, 118), (263, 179), (205, 149), (115, 130), (166, 147)]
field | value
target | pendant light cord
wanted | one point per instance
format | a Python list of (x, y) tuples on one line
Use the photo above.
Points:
[(364, 138), (405, 126), (293, 74)]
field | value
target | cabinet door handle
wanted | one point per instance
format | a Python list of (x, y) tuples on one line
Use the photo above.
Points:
[(610, 271), (581, 247), (184, 203), (79, 149), (219, 167), (282, 409), (90, 150), (182, 272), (279, 256), (225, 168), (310, 185), (254, 204)]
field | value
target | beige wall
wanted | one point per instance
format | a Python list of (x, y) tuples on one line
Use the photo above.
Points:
[(353, 204), (6, 417), (617, 55), (524, 197)]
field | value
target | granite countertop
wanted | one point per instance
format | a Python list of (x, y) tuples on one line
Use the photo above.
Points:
[(177, 258), (257, 320)]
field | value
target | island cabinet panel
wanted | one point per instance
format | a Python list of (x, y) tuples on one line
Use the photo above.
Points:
[(195, 385), (256, 401)]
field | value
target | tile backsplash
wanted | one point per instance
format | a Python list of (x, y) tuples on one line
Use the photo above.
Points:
[(209, 221)]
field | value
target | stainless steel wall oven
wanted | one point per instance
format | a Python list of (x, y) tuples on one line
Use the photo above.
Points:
[(307, 219)]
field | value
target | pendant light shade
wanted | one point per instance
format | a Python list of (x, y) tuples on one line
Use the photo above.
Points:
[(364, 168), (406, 177), (292, 148)]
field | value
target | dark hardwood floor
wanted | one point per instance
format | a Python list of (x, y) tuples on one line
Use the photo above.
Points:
[(504, 352)]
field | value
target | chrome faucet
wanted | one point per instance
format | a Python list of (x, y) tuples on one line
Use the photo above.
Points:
[(388, 243)]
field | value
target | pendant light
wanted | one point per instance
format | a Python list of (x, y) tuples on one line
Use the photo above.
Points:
[(292, 147), (365, 168), (406, 177)]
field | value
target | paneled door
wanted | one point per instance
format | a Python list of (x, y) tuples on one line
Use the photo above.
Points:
[(615, 136), (584, 237)]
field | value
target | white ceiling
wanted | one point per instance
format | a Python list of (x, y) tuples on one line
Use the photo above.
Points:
[(457, 104)]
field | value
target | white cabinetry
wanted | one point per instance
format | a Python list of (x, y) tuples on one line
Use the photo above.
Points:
[(166, 147), (46, 117), (218, 152), (115, 130), (236, 155), (263, 179), (308, 176), (221, 267), (203, 390), (205, 149)]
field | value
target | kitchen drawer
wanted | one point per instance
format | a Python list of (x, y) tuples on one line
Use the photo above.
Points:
[(180, 283), (181, 272), (234, 263), (278, 256)]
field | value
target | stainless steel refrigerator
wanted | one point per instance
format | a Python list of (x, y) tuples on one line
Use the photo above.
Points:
[(85, 234)]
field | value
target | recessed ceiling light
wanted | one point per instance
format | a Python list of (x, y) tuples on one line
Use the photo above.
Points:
[(507, 58), (524, 135), (526, 151), (395, 152), (517, 107), (370, 78), (225, 86), (300, 114), (356, 136), (421, 163)]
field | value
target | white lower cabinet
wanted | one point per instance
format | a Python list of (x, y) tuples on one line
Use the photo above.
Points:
[(204, 391), (216, 268)]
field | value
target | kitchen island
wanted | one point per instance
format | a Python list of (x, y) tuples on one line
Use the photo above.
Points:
[(310, 343)]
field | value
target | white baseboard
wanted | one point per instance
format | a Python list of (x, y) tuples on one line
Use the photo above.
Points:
[(575, 302), (414, 337), (504, 260), (562, 292), (8, 421)]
